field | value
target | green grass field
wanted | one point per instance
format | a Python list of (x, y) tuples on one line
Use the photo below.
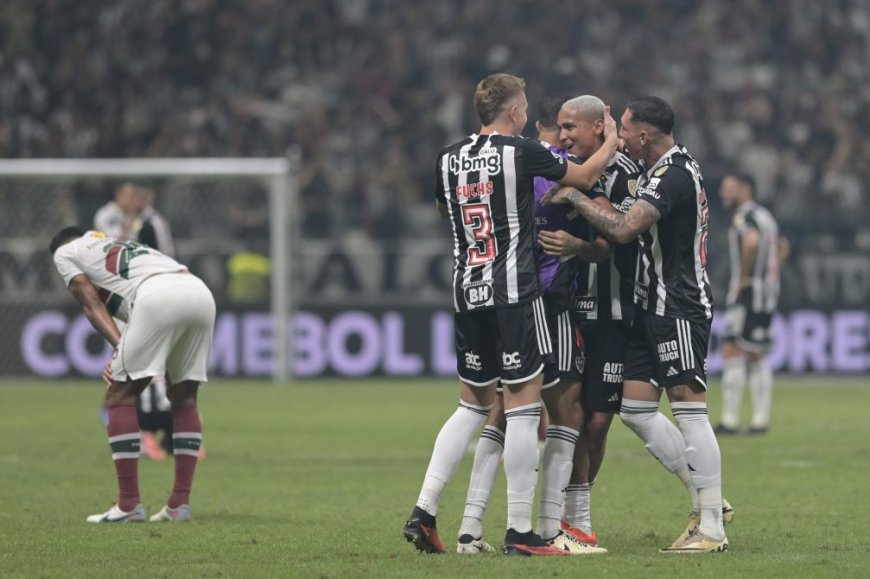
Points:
[(316, 479)]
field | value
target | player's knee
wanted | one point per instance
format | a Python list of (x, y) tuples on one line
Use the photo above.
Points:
[(125, 392), (635, 420), (596, 428), (182, 394)]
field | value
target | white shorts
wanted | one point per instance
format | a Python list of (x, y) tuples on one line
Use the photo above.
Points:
[(169, 331)]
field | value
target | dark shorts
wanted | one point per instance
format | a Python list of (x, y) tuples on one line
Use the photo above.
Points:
[(605, 350), (667, 351), (507, 344), (568, 359), (747, 328)]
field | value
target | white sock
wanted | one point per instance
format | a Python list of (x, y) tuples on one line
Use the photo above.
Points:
[(761, 390), (662, 439), (702, 452), (578, 506), (557, 462), (521, 464), (487, 458), (450, 447), (733, 381)]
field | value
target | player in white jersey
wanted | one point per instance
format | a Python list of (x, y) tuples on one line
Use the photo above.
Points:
[(169, 315), (756, 250), (131, 217)]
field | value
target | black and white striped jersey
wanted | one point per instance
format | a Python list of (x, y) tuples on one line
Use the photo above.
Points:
[(605, 291), (486, 183), (671, 278), (765, 270)]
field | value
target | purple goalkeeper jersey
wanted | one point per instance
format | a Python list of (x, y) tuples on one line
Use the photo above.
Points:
[(556, 274)]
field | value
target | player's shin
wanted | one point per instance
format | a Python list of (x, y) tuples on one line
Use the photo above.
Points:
[(702, 452), (733, 382), (125, 441), (557, 462), (449, 450), (521, 463), (186, 442), (662, 439), (487, 459), (761, 391)]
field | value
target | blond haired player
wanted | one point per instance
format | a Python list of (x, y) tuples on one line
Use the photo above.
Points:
[(170, 316)]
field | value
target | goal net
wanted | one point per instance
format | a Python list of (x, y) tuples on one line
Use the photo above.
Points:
[(231, 224)]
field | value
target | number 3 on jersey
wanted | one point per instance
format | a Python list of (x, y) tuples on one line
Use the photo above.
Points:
[(477, 216)]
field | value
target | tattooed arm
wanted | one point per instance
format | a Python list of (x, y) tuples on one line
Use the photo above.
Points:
[(615, 226)]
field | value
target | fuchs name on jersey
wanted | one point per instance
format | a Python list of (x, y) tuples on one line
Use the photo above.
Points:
[(485, 181), (474, 190)]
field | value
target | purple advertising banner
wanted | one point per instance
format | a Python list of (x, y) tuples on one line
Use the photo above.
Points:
[(397, 342)]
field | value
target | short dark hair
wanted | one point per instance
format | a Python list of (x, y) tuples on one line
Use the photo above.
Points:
[(653, 111), (743, 177), (493, 92), (549, 110), (63, 236)]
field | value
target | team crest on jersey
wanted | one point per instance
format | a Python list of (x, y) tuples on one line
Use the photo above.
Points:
[(660, 171), (487, 160), (478, 294), (632, 187), (580, 363)]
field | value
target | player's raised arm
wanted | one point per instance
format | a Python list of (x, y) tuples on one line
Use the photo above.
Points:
[(95, 310), (585, 176)]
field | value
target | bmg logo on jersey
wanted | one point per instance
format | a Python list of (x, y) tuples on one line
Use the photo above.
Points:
[(510, 361), (668, 351), (487, 161), (472, 361), (479, 294)]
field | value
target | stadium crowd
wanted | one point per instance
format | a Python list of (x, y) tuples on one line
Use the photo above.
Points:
[(378, 86)]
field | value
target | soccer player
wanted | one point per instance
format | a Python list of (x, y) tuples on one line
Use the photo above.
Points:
[(562, 377), (756, 250), (667, 346), (169, 331), (603, 304), (132, 217), (484, 185)]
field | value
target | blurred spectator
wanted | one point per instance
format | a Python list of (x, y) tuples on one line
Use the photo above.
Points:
[(777, 87)]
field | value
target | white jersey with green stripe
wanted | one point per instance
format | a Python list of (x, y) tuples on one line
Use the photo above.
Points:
[(116, 268)]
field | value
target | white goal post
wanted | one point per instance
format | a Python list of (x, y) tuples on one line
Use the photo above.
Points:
[(278, 175)]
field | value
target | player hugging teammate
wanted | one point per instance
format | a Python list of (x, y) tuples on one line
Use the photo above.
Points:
[(502, 328)]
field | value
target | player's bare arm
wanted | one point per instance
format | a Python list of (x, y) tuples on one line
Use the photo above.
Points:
[(585, 176), (748, 253), (95, 310), (562, 244), (615, 226)]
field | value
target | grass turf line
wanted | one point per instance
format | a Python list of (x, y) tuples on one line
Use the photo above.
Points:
[(315, 480)]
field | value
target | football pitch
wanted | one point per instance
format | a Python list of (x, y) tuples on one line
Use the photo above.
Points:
[(315, 479)]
